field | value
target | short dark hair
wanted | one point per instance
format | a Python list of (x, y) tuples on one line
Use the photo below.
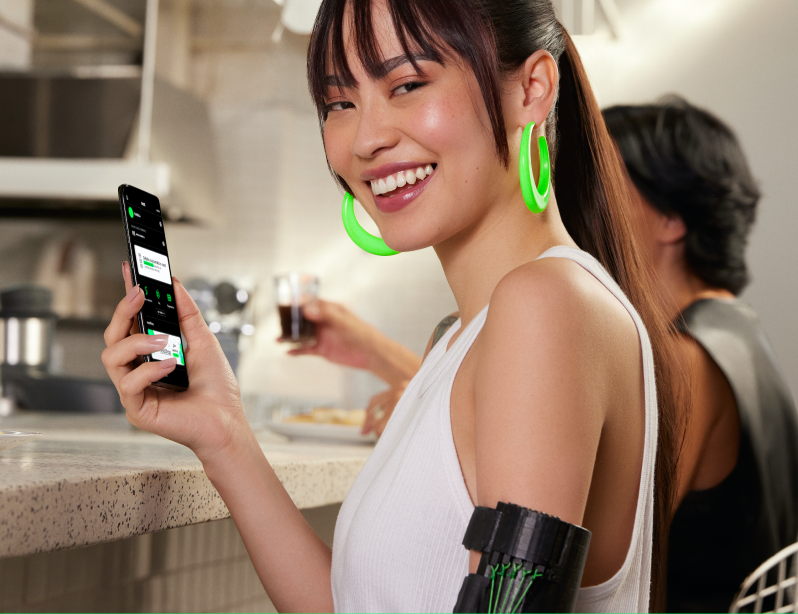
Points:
[(685, 161)]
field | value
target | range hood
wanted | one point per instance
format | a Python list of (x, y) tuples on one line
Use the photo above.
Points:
[(65, 134), (70, 136), (77, 179)]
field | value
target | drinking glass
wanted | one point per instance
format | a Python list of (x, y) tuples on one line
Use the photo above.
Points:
[(292, 292)]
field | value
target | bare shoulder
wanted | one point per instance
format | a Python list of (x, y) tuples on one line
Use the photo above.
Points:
[(559, 297), (712, 424), (712, 398)]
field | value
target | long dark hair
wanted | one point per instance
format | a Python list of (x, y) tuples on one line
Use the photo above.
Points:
[(494, 38)]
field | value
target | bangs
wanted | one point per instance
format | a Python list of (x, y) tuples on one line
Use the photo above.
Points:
[(436, 30)]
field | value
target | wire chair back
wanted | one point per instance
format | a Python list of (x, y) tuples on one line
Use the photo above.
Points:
[(772, 587)]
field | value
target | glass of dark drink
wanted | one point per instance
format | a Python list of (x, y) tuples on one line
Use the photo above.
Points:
[(293, 292)]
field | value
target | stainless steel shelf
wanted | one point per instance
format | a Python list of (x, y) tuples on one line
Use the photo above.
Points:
[(79, 179)]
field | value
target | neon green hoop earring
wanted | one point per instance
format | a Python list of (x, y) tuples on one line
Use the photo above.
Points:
[(536, 198), (364, 240)]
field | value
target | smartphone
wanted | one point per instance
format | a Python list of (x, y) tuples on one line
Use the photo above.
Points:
[(149, 266)]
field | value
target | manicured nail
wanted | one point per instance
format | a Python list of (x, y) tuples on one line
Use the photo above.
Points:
[(157, 340), (168, 363), (133, 293)]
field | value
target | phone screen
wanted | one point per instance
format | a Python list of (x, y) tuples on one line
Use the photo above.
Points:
[(149, 265)]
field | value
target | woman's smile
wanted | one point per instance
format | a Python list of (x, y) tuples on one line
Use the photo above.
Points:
[(395, 189)]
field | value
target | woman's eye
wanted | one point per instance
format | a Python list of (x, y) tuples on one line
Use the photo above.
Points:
[(338, 106), (406, 88)]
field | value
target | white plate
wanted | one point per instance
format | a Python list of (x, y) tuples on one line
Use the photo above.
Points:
[(337, 433), (12, 439)]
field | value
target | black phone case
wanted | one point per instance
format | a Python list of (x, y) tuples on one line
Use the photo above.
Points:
[(177, 379)]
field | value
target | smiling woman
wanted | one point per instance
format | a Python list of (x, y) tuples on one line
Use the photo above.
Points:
[(552, 390), (408, 87)]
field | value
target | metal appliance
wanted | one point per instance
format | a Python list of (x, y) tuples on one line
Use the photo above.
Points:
[(27, 326)]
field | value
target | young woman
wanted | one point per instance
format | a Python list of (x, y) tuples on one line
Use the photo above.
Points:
[(542, 394)]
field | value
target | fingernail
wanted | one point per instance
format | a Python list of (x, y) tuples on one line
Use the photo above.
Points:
[(175, 280), (168, 363), (159, 340), (133, 293), (311, 309)]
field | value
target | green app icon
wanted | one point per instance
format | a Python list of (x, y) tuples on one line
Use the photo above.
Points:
[(145, 291), (157, 294), (130, 212), (169, 297)]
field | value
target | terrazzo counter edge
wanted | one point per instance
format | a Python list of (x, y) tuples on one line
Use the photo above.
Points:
[(91, 479)]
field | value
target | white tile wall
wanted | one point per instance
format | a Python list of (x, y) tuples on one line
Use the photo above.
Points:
[(198, 568)]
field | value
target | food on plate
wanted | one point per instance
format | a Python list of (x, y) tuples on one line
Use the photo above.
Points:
[(330, 415)]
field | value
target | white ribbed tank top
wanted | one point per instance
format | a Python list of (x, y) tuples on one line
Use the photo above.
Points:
[(398, 538)]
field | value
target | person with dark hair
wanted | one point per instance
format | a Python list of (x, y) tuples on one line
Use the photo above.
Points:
[(737, 491), (468, 126)]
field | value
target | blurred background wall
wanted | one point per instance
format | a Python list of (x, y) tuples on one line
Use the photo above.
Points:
[(275, 207)]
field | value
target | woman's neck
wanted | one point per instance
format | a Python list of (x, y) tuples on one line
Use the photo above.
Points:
[(508, 236)]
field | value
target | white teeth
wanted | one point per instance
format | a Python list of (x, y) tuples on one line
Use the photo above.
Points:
[(400, 180)]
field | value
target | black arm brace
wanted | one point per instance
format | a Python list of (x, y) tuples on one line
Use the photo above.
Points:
[(531, 562)]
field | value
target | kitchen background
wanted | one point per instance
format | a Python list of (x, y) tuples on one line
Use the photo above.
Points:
[(249, 191)]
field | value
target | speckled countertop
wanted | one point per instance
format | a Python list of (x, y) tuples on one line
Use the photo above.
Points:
[(94, 478)]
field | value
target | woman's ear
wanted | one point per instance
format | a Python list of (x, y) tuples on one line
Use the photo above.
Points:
[(533, 90)]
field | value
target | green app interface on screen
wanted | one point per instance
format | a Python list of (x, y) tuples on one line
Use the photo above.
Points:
[(151, 260)]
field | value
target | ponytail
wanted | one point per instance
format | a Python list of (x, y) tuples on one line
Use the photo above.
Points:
[(593, 200)]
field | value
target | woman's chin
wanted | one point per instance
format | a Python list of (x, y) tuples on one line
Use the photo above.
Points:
[(408, 244)]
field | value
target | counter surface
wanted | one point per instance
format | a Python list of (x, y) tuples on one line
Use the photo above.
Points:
[(95, 478)]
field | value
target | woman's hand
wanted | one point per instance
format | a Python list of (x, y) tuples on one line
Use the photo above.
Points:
[(207, 415), (345, 339), (208, 418), (380, 408)]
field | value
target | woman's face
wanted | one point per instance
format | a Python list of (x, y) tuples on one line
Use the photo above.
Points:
[(378, 134)]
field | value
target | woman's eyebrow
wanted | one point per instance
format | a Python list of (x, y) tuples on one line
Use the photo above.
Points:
[(393, 63), (381, 70)]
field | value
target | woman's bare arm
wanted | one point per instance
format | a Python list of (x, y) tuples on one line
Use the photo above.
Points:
[(291, 561), (558, 369), (539, 409)]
